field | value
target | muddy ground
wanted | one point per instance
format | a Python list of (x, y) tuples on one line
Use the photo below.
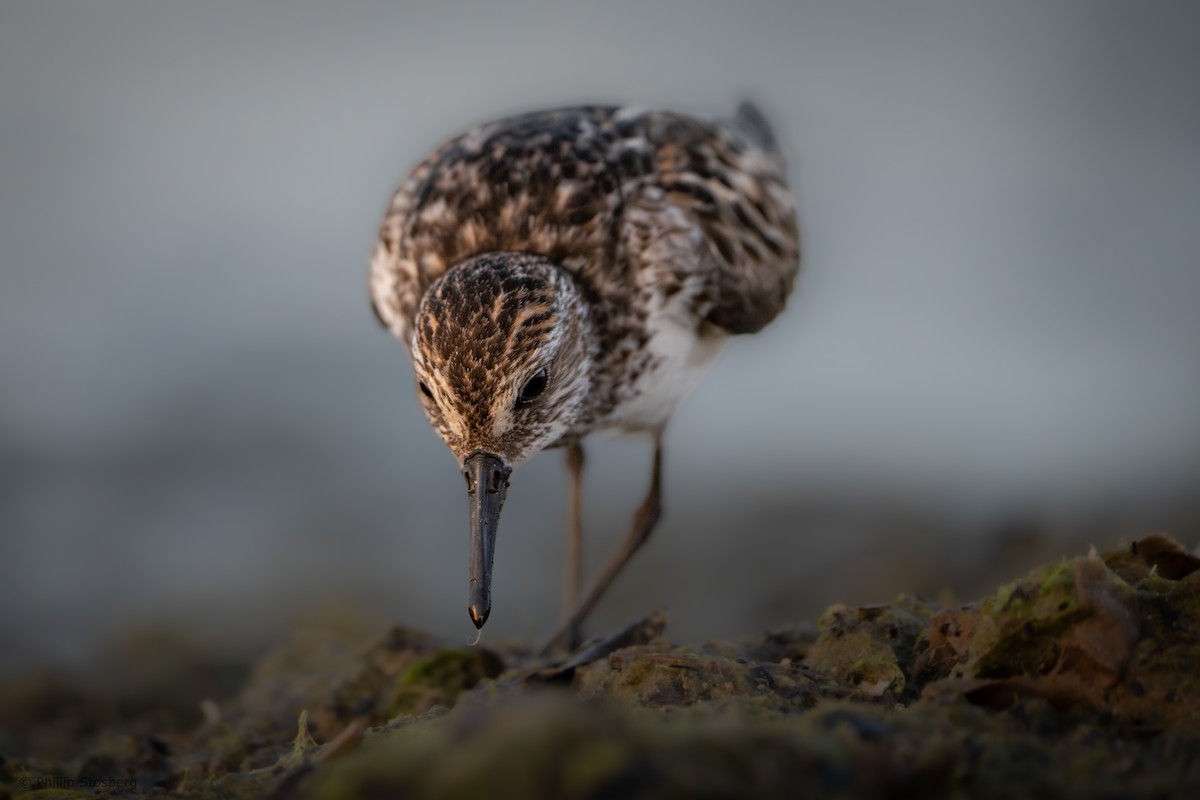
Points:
[(1081, 679)]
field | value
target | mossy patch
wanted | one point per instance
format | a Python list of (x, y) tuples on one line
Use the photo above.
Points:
[(1075, 681), (439, 678), (871, 648)]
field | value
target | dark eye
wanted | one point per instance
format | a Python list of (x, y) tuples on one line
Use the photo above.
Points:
[(425, 390), (533, 388)]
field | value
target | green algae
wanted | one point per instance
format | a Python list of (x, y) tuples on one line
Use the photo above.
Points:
[(1074, 681), (870, 649), (439, 678)]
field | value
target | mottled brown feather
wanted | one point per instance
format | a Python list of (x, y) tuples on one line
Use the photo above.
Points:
[(629, 201)]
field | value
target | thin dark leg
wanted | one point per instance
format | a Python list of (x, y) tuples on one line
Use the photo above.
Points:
[(644, 520), (574, 577)]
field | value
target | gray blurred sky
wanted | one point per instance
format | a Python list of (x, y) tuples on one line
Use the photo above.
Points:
[(198, 416)]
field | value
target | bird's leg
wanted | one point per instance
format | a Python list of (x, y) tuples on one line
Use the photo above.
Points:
[(644, 520), (574, 540)]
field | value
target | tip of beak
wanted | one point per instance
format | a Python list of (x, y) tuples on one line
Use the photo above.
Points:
[(478, 615)]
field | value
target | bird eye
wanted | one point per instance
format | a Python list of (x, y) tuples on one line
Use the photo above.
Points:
[(425, 390), (533, 388)]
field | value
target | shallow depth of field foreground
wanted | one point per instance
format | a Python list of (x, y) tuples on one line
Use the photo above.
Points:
[(1077, 680)]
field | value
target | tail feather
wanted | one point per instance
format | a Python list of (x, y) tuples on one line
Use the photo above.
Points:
[(751, 123)]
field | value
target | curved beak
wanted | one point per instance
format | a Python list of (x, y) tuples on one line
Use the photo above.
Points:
[(487, 483)]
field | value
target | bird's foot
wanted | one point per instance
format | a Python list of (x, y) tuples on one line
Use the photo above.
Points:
[(643, 631)]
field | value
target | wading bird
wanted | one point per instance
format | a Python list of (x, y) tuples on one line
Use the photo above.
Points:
[(576, 270)]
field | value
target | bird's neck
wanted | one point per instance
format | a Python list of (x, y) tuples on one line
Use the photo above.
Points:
[(584, 327)]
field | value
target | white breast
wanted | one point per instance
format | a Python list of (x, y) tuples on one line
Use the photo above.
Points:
[(680, 358)]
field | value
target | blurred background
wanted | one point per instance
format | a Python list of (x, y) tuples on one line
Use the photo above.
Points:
[(991, 358)]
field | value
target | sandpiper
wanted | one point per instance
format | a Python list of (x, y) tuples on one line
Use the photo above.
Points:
[(574, 270)]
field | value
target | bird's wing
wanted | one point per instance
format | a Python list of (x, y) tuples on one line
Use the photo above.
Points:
[(718, 218), (397, 278), (574, 184)]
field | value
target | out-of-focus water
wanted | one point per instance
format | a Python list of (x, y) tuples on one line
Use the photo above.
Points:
[(200, 421)]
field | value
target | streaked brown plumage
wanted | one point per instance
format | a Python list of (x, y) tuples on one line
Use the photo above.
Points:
[(567, 271)]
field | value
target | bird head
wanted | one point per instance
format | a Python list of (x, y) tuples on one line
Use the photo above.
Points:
[(502, 357)]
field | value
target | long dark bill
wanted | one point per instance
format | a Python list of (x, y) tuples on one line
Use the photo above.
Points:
[(487, 483)]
